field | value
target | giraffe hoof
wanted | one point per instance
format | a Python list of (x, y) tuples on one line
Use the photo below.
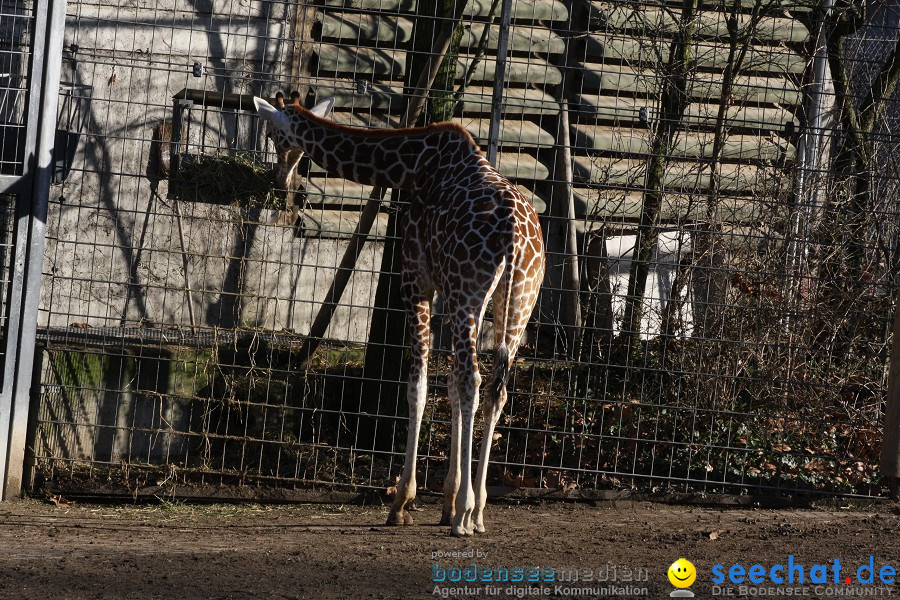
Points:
[(459, 531), (399, 518)]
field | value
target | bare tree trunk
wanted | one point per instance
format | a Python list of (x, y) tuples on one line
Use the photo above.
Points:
[(673, 102), (302, 47), (671, 323), (711, 277), (843, 274), (434, 18), (597, 302)]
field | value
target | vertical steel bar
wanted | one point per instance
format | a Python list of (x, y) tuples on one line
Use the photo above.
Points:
[(31, 229), (890, 447), (499, 80), (816, 129), (807, 163), (20, 241)]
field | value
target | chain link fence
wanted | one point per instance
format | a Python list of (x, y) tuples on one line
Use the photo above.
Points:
[(717, 187)]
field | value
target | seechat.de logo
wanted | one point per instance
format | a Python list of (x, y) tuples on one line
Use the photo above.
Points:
[(795, 572)]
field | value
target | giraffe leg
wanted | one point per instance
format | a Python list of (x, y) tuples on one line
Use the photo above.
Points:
[(508, 333), (468, 381), (451, 482), (419, 314), (493, 408)]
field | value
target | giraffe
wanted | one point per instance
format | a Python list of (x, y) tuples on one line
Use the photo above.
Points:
[(470, 236)]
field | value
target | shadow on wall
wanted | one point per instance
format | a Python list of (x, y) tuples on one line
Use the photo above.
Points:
[(109, 150)]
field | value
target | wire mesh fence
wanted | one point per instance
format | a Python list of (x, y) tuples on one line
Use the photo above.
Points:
[(716, 184), (16, 33)]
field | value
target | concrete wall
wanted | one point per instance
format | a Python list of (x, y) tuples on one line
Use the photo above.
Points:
[(114, 254)]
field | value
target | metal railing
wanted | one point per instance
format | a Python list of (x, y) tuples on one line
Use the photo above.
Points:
[(31, 52)]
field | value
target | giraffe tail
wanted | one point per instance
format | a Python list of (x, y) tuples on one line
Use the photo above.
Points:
[(501, 370), (501, 350)]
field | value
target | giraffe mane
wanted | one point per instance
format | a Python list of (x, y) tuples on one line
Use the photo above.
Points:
[(282, 121), (389, 132)]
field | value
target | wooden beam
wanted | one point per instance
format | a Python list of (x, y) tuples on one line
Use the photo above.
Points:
[(688, 177), (600, 205), (527, 10), (702, 86), (474, 101), (652, 21), (514, 165), (391, 64), (623, 110), (777, 60), (352, 28), (607, 139)]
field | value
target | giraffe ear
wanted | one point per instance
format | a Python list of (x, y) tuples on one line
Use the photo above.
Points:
[(323, 108), (269, 113)]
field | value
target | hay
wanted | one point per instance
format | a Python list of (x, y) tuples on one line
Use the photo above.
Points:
[(230, 179)]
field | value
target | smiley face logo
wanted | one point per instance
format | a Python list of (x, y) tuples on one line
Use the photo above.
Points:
[(682, 573)]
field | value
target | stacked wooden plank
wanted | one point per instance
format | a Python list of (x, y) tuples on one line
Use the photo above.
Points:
[(360, 58), (621, 50), (624, 68)]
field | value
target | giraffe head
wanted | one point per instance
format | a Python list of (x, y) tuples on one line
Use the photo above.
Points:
[(280, 119)]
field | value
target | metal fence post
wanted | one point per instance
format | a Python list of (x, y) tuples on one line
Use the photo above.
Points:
[(31, 224), (499, 82), (890, 448), (808, 171)]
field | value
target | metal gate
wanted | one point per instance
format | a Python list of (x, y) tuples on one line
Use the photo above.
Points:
[(717, 310), (30, 52)]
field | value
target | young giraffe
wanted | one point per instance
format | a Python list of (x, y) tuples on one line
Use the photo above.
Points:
[(471, 236)]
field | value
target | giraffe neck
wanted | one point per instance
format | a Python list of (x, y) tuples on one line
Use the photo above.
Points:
[(408, 159)]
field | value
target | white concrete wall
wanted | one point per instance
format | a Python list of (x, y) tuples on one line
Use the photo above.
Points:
[(114, 254)]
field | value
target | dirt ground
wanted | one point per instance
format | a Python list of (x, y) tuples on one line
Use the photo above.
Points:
[(344, 552)]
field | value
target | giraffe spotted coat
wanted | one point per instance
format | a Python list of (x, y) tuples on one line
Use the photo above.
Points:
[(471, 236)]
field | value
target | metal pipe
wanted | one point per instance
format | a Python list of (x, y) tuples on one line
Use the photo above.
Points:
[(807, 162), (32, 228), (499, 78), (889, 463), (816, 116)]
